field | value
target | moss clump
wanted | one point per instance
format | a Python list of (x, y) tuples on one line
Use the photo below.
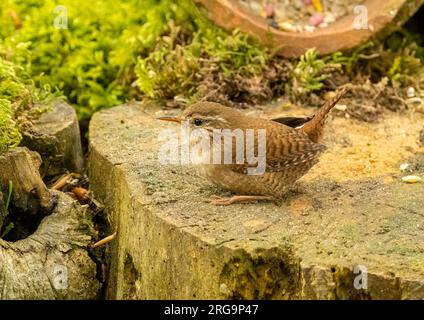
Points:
[(196, 60), (91, 59), (18, 97), (9, 132), (226, 66), (176, 51), (12, 90), (114, 51)]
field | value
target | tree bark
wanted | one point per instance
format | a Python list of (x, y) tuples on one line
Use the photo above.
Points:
[(55, 135), (20, 167), (52, 263)]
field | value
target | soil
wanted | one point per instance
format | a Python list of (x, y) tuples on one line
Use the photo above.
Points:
[(359, 150)]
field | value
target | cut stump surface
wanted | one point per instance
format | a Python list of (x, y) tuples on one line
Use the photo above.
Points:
[(356, 238)]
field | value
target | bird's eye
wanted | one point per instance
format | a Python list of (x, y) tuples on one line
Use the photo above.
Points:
[(198, 122)]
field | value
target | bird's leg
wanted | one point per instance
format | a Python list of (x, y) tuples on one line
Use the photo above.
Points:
[(234, 199)]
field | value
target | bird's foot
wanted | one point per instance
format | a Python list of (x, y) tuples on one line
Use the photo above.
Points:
[(219, 201)]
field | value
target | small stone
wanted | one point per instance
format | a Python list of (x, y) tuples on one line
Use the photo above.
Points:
[(254, 225), (255, 6), (307, 2), (341, 107), (309, 28), (411, 179), (151, 74), (287, 26), (272, 23), (329, 18), (404, 166), (323, 25), (316, 19), (270, 10), (410, 92)]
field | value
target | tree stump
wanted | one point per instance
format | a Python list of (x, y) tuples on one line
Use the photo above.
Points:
[(53, 262), (48, 258), (356, 238), (19, 167), (55, 135)]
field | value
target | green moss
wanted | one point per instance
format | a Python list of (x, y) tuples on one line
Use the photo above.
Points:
[(92, 62), (114, 51), (181, 69), (89, 61), (18, 97), (184, 60), (9, 132), (12, 90)]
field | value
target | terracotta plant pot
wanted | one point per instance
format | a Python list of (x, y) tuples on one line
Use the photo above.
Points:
[(383, 18)]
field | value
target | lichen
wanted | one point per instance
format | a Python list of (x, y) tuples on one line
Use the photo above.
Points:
[(263, 274)]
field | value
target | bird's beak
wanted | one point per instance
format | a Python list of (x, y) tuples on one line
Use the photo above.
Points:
[(172, 119)]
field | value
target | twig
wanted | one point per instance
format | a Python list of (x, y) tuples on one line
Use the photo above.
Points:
[(63, 181), (104, 240)]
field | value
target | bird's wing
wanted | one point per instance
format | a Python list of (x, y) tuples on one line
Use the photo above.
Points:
[(293, 122), (292, 148), (286, 148)]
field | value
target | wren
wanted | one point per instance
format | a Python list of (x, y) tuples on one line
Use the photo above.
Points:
[(292, 149)]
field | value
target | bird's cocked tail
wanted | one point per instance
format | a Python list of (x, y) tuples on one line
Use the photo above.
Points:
[(313, 128)]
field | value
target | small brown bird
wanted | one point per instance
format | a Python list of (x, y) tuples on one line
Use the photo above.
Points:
[(292, 148)]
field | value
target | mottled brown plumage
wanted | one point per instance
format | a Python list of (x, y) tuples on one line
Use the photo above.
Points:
[(292, 148)]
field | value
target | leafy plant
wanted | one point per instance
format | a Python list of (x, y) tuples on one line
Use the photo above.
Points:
[(9, 195), (311, 71), (399, 57)]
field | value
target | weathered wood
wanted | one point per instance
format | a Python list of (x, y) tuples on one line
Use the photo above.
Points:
[(55, 135), (53, 262), (173, 244), (20, 167)]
